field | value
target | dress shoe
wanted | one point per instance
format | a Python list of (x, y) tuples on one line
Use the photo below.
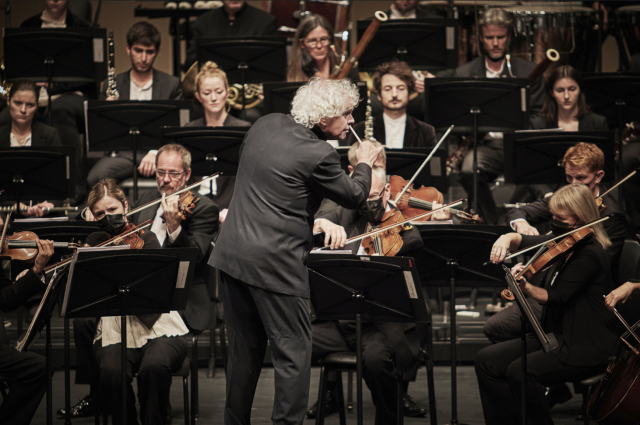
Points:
[(330, 408), (167, 418), (557, 394), (411, 409), (86, 407)]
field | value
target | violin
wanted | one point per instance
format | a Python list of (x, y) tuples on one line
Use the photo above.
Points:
[(23, 249), (129, 236), (187, 203), (389, 242), (414, 202), (601, 206)]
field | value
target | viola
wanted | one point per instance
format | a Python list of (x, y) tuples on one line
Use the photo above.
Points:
[(23, 249), (414, 202), (187, 203), (389, 242)]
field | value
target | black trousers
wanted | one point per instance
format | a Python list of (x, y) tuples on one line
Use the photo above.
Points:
[(505, 325), (154, 363), (253, 316), (490, 166), (378, 368), (26, 375), (499, 380)]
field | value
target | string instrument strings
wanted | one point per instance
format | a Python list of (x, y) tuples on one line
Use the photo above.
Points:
[(542, 244), (400, 223), (157, 201)]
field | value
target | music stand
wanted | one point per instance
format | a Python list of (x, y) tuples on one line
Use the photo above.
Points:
[(453, 255), (247, 60), (278, 98), (64, 55), (364, 288), (615, 96), (548, 341), (536, 157), (426, 44), (123, 282), (477, 105), (212, 149), (113, 125), (37, 173)]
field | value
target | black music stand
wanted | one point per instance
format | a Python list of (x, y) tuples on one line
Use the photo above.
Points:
[(548, 341), (278, 97), (123, 282), (75, 55), (453, 255), (383, 289), (37, 173), (212, 149), (129, 125), (536, 157), (405, 162), (246, 60), (426, 44), (477, 105)]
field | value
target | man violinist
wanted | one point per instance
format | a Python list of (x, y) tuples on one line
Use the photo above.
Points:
[(25, 372), (383, 344)]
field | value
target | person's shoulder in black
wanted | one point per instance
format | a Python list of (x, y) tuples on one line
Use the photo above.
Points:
[(419, 134), (593, 122), (539, 122), (232, 121), (43, 135), (71, 20)]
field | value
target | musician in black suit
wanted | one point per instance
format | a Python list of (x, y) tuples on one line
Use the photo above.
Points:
[(141, 82), (233, 19), (24, 372), (285, 170), (574, 311), (496, 27), (403, 9), (394, 83), (384, 344)]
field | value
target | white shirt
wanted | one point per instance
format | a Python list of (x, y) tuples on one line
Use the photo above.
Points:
[(394, 131), (15, 144), (491, 73), (396, 14), (168, 324), (46, 23), (140, 93), (159, 227)]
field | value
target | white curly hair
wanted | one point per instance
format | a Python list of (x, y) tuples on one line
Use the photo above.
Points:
[(321, 98)]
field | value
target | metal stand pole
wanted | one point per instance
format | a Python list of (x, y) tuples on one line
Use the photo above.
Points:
[(123, 351), (523, 368), (134, 132), (359, 297), (67, 374), (475, 111)]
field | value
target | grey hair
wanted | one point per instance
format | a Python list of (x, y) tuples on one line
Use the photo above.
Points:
[(380, 173), (496, 16), (321, 98)]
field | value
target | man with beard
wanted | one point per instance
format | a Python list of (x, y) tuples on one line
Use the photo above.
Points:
[(394, 83), (141, 82), (496, 27), (196, 230)]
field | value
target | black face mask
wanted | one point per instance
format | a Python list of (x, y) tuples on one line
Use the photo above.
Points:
[(373, 211), (112, 223), (558, 228)]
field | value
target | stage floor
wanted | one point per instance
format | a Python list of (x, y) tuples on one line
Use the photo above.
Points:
[(212, 394)]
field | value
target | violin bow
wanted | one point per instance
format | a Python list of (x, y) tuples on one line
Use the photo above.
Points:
[(410, 182), (522, 251), (629, 329), (400, 223), (631, 174), (157, 201)]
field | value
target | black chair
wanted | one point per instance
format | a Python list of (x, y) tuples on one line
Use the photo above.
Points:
[(183, 371), (589, 383)]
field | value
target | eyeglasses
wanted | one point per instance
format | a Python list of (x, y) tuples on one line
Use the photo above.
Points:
[(172, 174), (324, 41)]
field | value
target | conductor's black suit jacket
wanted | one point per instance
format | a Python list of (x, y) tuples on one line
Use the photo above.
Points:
[(284, 173), (197, 231)]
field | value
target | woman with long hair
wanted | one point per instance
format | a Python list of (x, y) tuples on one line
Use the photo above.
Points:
[(573, 310), (311, 54), (565, 105)]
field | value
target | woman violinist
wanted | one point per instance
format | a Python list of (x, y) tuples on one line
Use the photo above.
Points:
[(155, 343), (573, 311)]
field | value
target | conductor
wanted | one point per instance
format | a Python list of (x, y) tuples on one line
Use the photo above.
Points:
[(285, 171)]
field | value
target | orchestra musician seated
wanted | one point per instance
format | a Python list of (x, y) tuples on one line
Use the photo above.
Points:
[(141, 82), (573, 310), (622, 293), (25, 131), (212, 91), (23, 371), (394, 83)]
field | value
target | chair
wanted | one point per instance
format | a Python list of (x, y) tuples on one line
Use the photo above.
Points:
[(629, 262), (590, 383), (183, 371)]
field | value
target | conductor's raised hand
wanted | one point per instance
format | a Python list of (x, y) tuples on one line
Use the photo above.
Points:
[(45, 251), (368, 153)]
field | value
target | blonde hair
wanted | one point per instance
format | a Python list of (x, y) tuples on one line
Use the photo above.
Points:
[(496, 16), (106, 187), (578, 201), (211, 70), (584, 155), (351, 154), (321, 98)]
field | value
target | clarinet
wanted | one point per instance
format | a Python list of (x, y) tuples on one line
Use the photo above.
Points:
[(368, 122), (112, 90)]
